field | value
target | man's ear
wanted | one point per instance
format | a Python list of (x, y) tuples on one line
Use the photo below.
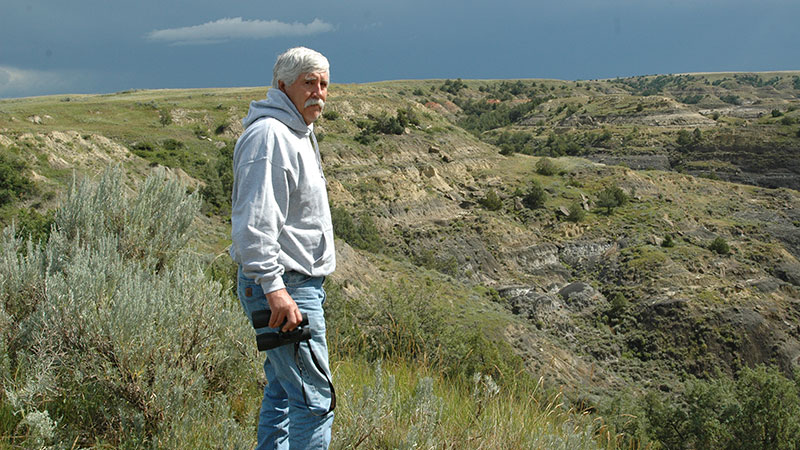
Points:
[(282, 86)]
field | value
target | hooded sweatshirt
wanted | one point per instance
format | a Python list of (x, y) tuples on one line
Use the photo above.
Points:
[(280, 218)]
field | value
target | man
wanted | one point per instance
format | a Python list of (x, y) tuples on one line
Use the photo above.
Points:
[(283, 242)]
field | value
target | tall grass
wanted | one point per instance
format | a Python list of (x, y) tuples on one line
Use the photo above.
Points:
[(408, 405)]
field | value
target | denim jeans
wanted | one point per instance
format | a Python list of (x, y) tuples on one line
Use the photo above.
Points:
[(286, 420)]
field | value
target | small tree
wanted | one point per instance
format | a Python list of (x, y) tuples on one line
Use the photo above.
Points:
[(606, 200), (611, 197)]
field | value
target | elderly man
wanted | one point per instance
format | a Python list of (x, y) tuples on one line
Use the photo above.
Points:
[(283, 242)]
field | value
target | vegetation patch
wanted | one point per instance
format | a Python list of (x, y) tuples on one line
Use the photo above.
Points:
[(14, 183)]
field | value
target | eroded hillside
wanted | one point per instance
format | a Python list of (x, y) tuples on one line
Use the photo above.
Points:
[(441, 176)]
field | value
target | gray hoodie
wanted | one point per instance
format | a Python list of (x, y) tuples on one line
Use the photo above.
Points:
[(280, 218)]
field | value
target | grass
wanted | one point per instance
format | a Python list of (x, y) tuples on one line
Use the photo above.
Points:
[(404, 404)]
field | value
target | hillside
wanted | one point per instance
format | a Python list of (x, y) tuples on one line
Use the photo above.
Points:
[(496, 194)]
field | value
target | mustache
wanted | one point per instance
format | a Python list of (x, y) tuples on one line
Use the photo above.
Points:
[(314, 101)]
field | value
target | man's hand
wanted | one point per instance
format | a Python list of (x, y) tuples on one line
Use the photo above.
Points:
[(282, 306)]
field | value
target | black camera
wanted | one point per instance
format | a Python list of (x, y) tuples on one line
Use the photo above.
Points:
[(270, 340)]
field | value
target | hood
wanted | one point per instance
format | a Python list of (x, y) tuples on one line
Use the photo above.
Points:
[(279, 106)]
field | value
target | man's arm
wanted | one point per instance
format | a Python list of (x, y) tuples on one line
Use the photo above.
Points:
[(258, 214)]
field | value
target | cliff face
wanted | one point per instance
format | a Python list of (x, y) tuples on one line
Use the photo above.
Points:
[(630, 297)]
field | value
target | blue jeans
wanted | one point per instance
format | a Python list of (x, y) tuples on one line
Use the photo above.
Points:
[(286, 420)]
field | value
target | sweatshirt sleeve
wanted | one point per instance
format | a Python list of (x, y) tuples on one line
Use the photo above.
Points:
[(258, 212)]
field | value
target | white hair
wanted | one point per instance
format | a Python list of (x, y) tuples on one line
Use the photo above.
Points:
[(295, 61)]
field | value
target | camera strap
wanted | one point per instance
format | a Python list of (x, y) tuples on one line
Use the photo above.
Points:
[(321, 370)]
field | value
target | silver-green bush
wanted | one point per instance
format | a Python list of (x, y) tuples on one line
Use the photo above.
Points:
[(113, 335)]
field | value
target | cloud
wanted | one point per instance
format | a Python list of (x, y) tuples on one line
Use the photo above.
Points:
[(227, 29), (16, 82)]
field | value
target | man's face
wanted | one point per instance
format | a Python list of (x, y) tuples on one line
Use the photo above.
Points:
[(306, 90)]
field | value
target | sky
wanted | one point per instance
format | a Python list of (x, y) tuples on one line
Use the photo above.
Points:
[(102, 46)]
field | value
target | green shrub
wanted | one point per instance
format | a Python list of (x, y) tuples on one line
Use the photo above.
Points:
[(165, 117), (480, 115), (684, 139), (769, 413), (513, 142), (546, 166), (453, 87), (14, 185), (576, 212), (429, 259), (535, 197), (34, 225), (360, 231), (218, 178), (732, 99), (759, 410), (366, 137), (383, 123), (142, 148), (330, 115), (618, 306), (571, 144), (691, 99), (172, 145), (491, 201), (720, 246), (697, 136)]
